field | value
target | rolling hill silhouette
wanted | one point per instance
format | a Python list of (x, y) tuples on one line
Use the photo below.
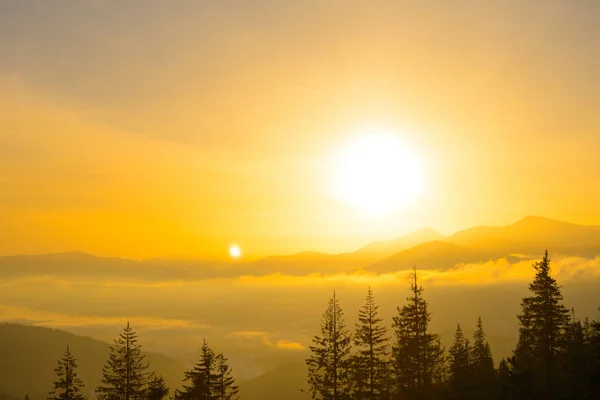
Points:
[(285, 382), (30, 354)]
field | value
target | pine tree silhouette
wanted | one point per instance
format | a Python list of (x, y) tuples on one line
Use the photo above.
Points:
[(199, 380), (157, 389), (483, 372), (328, 365), (504, 389), (418, 357), (209, 379), (592, 334), (68, 386), (125, 375), (460, 367), (371, 367), (224, 387), (543, 321)]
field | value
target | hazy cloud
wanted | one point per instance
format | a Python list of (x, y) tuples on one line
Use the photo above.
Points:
[(57, 320), (492, 272), (267, 340)]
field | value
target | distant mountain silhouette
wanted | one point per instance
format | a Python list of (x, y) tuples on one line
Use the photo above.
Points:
[(532, 235), (430, 255), (305, 262), (426, 248), (29, 355), (77, 263), (528, 237), (429, 249), (284, 382), (388, 247)]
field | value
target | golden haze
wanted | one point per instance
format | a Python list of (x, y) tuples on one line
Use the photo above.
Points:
[(157, 141)]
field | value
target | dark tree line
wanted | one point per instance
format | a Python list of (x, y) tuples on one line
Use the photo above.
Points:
[(126, 376), (556, 357)]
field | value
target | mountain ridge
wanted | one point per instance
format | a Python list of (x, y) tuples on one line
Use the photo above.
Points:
[(530, 235)]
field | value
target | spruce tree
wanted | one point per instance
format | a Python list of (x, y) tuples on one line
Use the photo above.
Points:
[(328, 365), (543, 321), (483, 374), (521, 364), (504, 388), (125, 375), (370, 365), (576, 361), (582, 360), (68, 386), (198, 381), (224, 387), (418, 357), (460, 367), (592, 334), (157, 389)]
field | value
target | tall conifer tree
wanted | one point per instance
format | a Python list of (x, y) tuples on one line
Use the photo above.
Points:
[(418, 357), (125, 375), (541, 335), (371, 365), (328, 365), (68, 386), (224, 386), (209, 379), (460, 367), (484, 374), (199, 380)]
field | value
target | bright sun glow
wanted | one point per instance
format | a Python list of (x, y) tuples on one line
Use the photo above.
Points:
[(377, 174), (235, 251)]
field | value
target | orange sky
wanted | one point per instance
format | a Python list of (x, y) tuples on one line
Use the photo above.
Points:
[(146, 129)]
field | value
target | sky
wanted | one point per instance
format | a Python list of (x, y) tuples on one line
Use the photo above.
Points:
[(151, 128)]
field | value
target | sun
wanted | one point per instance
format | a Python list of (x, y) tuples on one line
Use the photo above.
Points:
[(235, 251), (377, 174)]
